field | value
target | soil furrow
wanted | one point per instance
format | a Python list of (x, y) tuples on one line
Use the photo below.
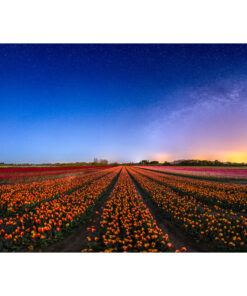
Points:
[(33, 205), (176, 235), (77, 240), (199, 198)]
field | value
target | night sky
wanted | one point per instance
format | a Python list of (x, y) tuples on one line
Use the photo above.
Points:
[(63, 103)]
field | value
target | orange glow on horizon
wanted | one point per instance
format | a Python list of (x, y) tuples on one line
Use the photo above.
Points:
[(229, 156), (236, 157)]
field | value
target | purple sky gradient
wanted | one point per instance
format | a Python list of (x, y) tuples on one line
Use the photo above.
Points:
[(208, 122)]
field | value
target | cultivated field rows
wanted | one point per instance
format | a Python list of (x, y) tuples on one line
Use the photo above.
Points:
[(123, 209), (204, 172), (210, 224)]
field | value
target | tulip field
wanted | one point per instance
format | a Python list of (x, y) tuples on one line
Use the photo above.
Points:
[(25, 174), (203, 172), (119, 209)]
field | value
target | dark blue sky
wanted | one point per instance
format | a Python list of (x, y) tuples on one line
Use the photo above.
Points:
[(76, 102)]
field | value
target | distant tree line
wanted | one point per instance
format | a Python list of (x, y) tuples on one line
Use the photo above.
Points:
[(95, 162), (190, 162), (98, 162)]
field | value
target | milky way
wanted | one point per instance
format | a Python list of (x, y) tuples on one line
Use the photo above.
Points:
[(122, 102), (209, 123)]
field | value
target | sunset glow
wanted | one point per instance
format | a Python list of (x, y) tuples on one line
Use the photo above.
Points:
[(235, 156)]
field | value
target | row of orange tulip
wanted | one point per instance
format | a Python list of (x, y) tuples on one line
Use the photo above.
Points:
[(49, 220), (18, 197), (126, 224), (226, 196), (218, 228)]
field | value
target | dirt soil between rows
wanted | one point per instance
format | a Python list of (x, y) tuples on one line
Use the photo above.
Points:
[(77, 240), (176, 236)]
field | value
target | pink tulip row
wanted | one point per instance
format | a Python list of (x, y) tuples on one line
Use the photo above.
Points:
[(220, 172)]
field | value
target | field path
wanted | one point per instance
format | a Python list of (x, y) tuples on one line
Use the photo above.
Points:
[(176, 235), (77, 240)]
